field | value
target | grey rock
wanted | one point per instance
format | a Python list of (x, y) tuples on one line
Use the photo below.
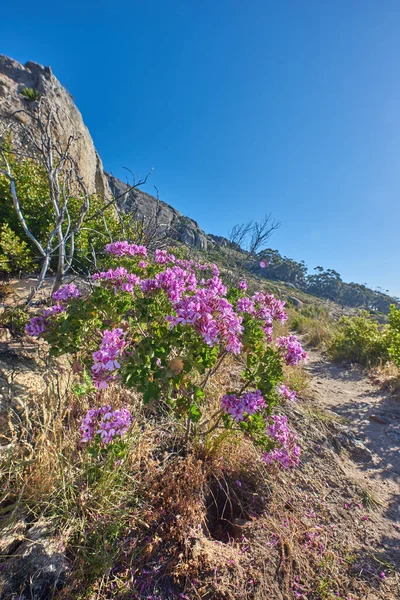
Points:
[(157, 212), (359, 449), (68, 120), (37, 569), (394, 434), (345, 437), (295, 301), (11, 536)]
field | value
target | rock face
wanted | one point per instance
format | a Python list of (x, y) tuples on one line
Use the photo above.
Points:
[(167, 218), (14, 77)]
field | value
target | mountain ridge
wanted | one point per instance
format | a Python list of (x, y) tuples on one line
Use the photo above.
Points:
[(16, 77)]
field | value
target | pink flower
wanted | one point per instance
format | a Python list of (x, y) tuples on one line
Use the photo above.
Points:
[(211, 315), (66, 292), (243, 285), (163, 257), (106, 358), (294, 350), (36, 326), (125, 249), (286, 393), (110, 424), (248, 404), (286, 452), (263, 264)]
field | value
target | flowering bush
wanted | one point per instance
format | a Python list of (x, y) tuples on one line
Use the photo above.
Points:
[(164, 326)]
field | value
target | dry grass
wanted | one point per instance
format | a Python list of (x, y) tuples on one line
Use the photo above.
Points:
[(314, 324), (297, 379), (211, 523), (387, 376)]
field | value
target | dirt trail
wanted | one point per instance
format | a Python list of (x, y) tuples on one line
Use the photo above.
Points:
[(373, 415)]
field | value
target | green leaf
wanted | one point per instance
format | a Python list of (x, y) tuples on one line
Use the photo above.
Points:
[(194, 413)]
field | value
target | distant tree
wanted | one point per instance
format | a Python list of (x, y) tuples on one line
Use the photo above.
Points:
[(253, 235), (325, 283), (283, 268)]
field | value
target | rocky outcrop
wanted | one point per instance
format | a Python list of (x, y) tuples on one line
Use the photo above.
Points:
[(158, 213), (15, 77)]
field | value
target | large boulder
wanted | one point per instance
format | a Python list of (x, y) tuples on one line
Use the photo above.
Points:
[(15, 77)]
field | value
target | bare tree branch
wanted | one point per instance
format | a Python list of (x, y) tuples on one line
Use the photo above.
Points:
[(36, 142), (253, 235)]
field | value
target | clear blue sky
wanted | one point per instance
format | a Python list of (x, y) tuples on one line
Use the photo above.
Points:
[(243, 108)]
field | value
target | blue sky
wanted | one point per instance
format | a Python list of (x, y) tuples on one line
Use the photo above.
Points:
[(243, 108)]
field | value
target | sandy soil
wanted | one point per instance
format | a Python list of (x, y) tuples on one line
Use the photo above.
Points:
[(373, 415)]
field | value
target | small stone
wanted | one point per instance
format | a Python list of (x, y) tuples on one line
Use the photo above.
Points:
[(379, 419)]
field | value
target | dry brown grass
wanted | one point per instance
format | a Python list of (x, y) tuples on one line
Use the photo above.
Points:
[(387, 376), (316, 329), (212, 522)]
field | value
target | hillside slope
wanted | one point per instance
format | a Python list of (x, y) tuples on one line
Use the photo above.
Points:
[(17, 79)]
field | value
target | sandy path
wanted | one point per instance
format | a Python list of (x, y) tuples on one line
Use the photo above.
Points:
[(374, 417)]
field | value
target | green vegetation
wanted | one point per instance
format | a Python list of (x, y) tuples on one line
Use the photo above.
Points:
[(14, 252), (14, 319), (324, 283), (362, 340), (394, 343), (30, 94), (18, 254)]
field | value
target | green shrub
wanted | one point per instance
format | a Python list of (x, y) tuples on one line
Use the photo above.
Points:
[(394, 333), (30, 94), (33, 191), (14, 252), (14, 319), (5, 290), (360, 340)]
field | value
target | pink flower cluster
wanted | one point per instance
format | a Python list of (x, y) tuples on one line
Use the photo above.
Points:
[(175, 282), (106, 358), (194, 264), (66, 292), (162, 257), (248, 404), (119, 278), (294, 350), (211, 315), (264, 307), (286, 393), (126, 249), (287, 452), (37, 325), (105, 422)]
